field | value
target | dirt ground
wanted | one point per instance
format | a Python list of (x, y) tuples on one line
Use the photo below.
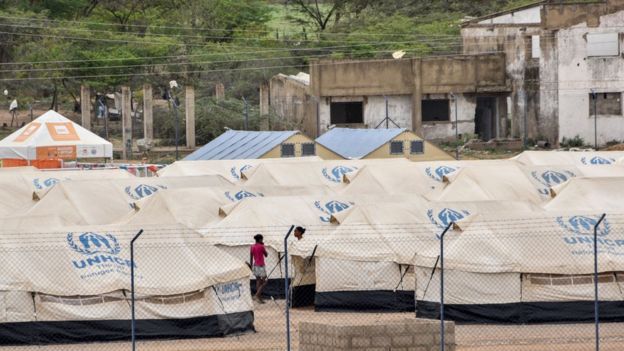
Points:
[(270, 335)]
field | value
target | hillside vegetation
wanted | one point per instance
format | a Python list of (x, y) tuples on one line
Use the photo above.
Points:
[(49, 47)]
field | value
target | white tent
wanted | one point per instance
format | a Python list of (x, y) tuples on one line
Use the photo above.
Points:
[(405, 177), (230, 169), (365, 262), (574, 158), (588, 194), (17, 188), (186, 287), (108, 201), (325, 173), (272, 217), (501, 182), (525, 268), (52, 136)]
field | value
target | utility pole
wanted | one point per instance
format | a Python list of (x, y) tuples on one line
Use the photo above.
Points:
[(174, 103), (454, 97), (246, 113), (595, 98)]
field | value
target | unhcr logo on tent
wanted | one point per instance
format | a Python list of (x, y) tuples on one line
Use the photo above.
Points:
[(439, 173), (229, 291), (91, 243), (46, 183), (236, 173), (335, 174), (143, 190), (597, 160), (583, 229), (551, 178), (446, 216), (102, 251), (243, 194), (330, 208)]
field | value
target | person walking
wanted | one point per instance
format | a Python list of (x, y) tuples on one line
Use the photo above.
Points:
[(257, 253)]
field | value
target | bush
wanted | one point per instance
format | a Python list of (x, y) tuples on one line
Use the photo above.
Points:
[(577, 141)]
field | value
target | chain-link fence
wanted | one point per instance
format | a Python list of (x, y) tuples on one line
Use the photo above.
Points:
[(539, 282)]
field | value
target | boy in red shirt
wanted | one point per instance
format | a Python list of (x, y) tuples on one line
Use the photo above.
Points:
[(257, 253)]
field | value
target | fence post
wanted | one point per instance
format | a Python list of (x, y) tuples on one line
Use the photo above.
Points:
[(133, 326), (442, 338), (286, 287), (596, 308)]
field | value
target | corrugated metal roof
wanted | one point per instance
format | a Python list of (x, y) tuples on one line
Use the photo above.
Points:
[(357, 143), (235, 145)]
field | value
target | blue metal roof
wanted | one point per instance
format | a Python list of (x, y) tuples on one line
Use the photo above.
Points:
[(357, 143), (235, 144)]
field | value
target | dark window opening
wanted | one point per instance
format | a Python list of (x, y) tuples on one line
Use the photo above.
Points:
[(347, 112), (308, 149), (435, 110), (288, 150), (396, 147), (417, 147), (605, 104)]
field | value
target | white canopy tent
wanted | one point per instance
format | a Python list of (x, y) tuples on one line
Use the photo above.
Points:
[(52, 136)]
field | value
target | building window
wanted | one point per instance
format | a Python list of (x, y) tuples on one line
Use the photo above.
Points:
[(288, 150), (417, 147), (535, 46), (606, 104), (308, 149), (603, 44), (436, 110), (396, 148), (347, 112), (579, 279)]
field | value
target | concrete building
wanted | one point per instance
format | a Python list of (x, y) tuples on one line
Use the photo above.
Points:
[(359, 144), (557, 53), (418, 94)]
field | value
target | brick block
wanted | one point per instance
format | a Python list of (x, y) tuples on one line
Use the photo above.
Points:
[(405, 340), (396, 329), (381, 341), (423, 339), (341, 342), (360, 342)]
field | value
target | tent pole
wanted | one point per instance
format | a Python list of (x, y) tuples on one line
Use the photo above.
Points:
[(286, 287), (596, 311), (442, 338), (133, 326)]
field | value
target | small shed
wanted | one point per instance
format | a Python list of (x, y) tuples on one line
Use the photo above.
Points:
[(235, 145), (352, 143)]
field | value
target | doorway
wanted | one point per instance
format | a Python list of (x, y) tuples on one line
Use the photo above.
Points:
[(485, 118)]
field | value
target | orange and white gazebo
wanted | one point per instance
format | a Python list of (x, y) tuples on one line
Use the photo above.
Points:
[(49, 140)]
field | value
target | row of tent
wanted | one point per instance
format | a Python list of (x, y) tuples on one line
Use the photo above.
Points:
[(519, 252)]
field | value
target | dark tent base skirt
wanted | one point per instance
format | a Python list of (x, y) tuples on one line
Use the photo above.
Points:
[(70, 332), (365, 301), (302, 295), (524, 312)]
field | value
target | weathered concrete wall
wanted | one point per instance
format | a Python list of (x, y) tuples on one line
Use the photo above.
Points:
[(578, 74), (362, 78), (466, 106), (407, 334), (374, 109), (557, 16), (399, 110), (291, 100), (520, 68)]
